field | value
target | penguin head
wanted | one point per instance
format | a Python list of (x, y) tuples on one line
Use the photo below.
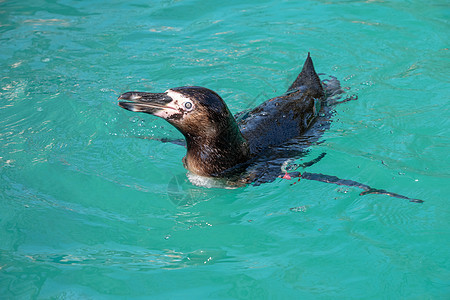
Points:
[(195, 111)]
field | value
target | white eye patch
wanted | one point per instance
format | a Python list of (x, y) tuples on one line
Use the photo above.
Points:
[(179, 105), (179, 98)]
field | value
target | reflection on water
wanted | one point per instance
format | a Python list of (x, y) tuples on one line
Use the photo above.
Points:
[(143, 260)]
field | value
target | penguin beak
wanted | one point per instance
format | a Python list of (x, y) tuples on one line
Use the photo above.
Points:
[(149, 103)]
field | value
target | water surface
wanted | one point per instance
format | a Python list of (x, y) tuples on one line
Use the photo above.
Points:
[(90, 209)]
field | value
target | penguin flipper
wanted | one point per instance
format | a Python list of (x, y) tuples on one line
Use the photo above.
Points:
[(347, 182), (308, 80)]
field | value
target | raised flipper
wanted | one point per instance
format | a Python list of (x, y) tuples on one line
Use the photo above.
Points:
[(308, 79), (336, 180)]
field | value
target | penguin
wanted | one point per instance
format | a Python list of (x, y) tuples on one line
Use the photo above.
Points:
[(246, 148)]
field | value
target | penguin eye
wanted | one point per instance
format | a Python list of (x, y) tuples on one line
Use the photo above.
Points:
[(188, 105)]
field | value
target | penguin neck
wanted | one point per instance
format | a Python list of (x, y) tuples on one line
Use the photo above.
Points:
[(212, 154)]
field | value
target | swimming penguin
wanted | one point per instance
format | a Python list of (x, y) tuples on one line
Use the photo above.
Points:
[(246, 147)]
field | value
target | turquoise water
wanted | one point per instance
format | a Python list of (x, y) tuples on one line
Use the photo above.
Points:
[(91, 209)]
